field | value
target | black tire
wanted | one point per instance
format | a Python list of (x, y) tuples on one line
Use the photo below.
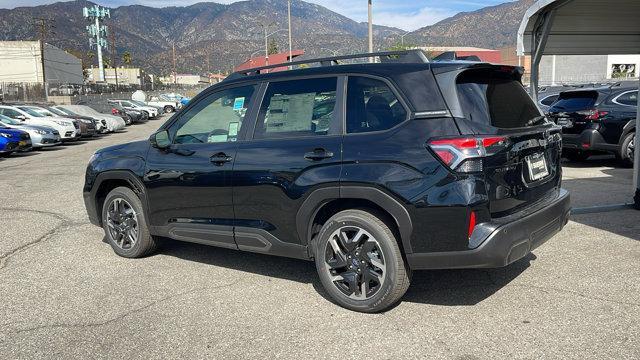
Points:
[(626, 152), (169, 109), (144, 244), (392, 281), (576, 155)]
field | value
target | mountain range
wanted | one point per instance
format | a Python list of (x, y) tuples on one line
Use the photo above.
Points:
[(212, 37)]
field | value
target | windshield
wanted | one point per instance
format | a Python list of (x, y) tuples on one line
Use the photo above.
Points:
[(66, 111), (495, 98), (30, 111), (44, 112), (8, 120), (138, 103), (57, 111)]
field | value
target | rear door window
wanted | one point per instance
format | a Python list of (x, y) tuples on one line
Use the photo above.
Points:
[(575, 101), (298, 108), (494, 98)]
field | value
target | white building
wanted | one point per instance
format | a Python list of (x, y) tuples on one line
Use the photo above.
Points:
[(21, 62)]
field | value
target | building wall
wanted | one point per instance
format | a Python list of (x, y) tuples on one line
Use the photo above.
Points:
[(61, 67), (572, 69), (126, 76), (620, 66), (20, 61)]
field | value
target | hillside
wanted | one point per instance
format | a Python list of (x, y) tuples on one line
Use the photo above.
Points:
[(211, 36)]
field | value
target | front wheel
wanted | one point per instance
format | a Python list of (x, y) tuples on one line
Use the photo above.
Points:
[(359, 262), (169, 109), (125, 225)]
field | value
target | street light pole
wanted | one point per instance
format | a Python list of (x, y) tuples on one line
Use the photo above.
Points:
[(290, 46), (370, 29)]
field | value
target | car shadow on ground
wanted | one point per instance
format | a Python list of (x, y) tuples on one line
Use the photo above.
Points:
[(594, 162), (442, 287)]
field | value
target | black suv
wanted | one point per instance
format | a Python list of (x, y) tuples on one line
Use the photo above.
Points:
[(373, 170), (598, 120)]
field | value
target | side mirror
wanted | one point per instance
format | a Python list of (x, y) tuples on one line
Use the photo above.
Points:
[(160, 140)]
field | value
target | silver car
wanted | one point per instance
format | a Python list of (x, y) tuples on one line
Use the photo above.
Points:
[(41, 136)]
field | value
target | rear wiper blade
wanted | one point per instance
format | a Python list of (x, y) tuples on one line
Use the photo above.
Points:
[(536, 120)]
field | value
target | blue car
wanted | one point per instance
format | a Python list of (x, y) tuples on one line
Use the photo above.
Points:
[(12, 140)]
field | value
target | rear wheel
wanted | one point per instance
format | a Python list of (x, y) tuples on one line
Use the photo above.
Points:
[(125, 225), (576, 155), (359, 262), (627, 150)]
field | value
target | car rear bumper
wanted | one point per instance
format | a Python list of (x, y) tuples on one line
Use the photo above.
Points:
[(588, 140), (504, 241)]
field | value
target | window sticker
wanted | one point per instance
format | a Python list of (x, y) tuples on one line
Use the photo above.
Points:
[(233, 129), (238, 104)]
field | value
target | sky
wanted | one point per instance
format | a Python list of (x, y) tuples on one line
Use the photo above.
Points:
[(404, 14)]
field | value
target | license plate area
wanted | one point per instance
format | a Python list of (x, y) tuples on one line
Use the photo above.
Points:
[(566, 123), (537, 166)]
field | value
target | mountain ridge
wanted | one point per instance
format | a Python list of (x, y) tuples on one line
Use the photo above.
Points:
[(213, 37)]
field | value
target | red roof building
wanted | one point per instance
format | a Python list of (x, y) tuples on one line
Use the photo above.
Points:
[(274, 59)]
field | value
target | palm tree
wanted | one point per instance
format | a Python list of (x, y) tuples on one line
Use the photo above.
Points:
[(126, 58)]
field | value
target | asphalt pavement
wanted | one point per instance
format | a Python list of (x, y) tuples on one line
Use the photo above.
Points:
[(65, 294)]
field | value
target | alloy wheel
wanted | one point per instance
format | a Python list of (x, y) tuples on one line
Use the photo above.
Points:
[(631, 149), (355, 262), (122, 222)]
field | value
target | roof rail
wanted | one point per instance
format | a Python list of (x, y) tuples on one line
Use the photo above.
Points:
[(404, 56)]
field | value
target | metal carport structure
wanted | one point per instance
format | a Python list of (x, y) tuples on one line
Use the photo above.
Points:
[(581, 27)]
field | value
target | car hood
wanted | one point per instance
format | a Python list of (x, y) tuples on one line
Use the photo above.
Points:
[(136, 148), (12, 132), (32, 127)]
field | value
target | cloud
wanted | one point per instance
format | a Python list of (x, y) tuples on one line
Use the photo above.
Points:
[(413, 20)]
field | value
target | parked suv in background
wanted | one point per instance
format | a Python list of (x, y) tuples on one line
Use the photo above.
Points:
[(373, 170), (598, 120)]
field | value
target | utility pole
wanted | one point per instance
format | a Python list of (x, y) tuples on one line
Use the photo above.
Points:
[(290, 42), (43, 31), (95, 14), (114, 56), (175, 74), (370, 29)]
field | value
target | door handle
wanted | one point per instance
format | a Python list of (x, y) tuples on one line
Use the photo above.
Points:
[(318, 154), (220, 159)]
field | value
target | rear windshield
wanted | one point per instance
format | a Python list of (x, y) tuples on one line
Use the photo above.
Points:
[(495, 98), (575, 100)]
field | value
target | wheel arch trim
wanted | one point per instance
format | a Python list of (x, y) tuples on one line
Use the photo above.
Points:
[(321, 197)]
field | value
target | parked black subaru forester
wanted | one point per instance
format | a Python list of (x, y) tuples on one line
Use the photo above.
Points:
[(372, 170)]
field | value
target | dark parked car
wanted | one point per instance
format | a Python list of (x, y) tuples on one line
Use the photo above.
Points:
[(597, 120), (416, 166)]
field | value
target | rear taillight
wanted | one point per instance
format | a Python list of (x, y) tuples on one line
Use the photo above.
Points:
[(464, 154), (593, 114), (115, 111), (472, 223)]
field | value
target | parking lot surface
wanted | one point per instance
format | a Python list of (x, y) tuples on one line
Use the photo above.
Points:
[(65, 294)]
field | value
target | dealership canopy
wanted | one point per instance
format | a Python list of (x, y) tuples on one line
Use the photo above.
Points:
[(581, 27)]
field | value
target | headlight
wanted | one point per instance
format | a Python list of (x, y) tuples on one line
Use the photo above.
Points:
[(86, 121), (63, 123), (41, 132), (8, 136)]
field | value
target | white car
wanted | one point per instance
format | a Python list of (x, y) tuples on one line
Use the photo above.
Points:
[(41, 136), (150, 110), (65, 127), (166, 104), (114, 123)]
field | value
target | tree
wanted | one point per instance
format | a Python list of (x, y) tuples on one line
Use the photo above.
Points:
[(273, 47), (126, 58)]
